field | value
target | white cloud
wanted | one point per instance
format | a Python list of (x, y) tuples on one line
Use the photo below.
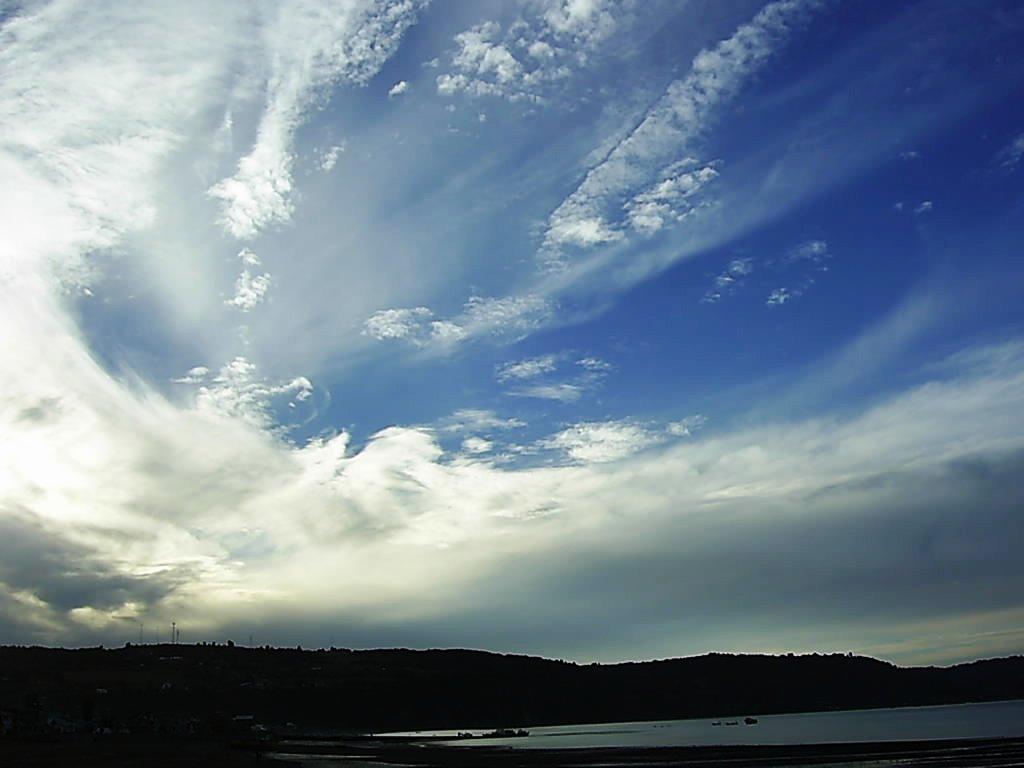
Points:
[(580, 230), (594, 364), (563, 392), (509, 316), (478, 52), (478, 420), (801, 263), (727, 282), (194, 375), (447, 333), (513, 315), (631, 170), (237, 392), (476, 445), (540, 50), (910, 154), (399, 88), (780, 296), (259, 194), (114, 92), (1009, 157), (810, 259), (686, 427), (535, 54), (603, 441), (202, 510), (249, 258), (924, 207), (589, 21), (594, 371), (309, 46), (812, 250), (526, 369), (237, 516), (397, 323), (668, 201), (329, 159), (250, 290)]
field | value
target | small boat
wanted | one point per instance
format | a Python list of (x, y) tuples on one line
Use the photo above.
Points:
[(732, 722), (750, 720), (717, 722)]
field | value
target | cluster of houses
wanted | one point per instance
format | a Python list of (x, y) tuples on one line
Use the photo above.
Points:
[(34, 720)]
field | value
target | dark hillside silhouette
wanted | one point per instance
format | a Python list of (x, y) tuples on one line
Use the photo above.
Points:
[(204, 688)]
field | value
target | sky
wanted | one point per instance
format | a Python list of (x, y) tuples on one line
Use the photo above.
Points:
[(592, 329)]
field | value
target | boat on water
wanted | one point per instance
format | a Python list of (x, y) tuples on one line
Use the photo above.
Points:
[(750, 720)]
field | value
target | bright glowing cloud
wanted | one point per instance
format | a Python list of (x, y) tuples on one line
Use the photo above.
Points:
[(317, 326)]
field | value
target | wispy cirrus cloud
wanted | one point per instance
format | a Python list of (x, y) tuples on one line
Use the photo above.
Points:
[(592, 214), (477, 445), (803, 263), (1009, 157), (108, 109), (814, 251), (599, 442), (729, 280), (478, 420), (563, 392), (397, 323), (781, 296), (594, 364), (561, 387), (801, 266), (526, 369), (309, 46), (508, 317), (195, 498), (156, 460)]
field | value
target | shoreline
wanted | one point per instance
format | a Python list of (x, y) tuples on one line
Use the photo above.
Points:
[(432, 734), (385, 752)]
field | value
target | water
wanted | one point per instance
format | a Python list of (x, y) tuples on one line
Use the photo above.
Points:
[(959, 721)]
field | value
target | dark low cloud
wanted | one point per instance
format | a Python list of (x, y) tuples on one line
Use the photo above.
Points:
[(55, 575)]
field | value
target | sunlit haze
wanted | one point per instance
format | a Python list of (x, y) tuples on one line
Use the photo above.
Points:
[(592, 329)]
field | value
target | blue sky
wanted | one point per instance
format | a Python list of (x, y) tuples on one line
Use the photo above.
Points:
[(593, 329)]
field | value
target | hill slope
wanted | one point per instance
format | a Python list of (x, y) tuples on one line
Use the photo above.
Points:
[(404, 689)]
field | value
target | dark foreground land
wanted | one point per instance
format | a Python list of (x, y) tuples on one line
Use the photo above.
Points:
[(222, 705), (212, 690), (367, 753)]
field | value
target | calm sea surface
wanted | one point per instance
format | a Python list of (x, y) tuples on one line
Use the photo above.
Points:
[(960, 721)]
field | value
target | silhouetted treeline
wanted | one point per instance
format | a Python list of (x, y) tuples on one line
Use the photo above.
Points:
[(199, 688)]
